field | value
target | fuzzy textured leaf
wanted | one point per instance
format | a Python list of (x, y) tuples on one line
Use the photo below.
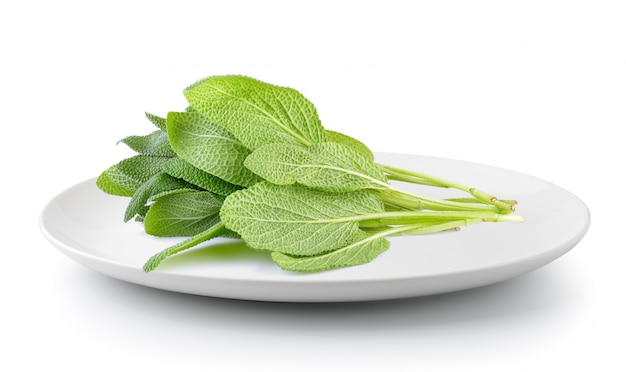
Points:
[(162, 194), (157, 184), (183, 214), (159, 122), (141, 214), (155, 144), (257, 113), (209, 147), (217, 230), (142, 167), (362, 249), (125, 177), (180, 168), (354, 144), (327, 166), (295, 219), (114, 182)]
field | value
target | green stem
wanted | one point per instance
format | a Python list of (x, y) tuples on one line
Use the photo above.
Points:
[(214, 232), (453, 225), (409, 217), (465, 200), (427, 179), (393, 207), (405, 199), (404, 178), (419, 229)]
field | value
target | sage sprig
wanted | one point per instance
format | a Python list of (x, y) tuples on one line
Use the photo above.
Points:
[(251, 160)]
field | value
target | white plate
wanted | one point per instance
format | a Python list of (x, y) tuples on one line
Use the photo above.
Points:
[(86, 224)]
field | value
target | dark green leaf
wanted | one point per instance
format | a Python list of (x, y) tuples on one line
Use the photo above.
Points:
[(158, 183)]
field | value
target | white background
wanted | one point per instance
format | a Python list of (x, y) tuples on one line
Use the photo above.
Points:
[(534, 86)]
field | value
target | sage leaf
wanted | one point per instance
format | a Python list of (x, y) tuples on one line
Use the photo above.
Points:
[(162, 194), (125, 177), (141, 167), (159, 122), (180, 168), (328, 166), (354, 144), (255, 112), (141, 214), (209, 147), (361, 249), (295, 219), (155, 144), (156, 184), (218, 230), (115, 182), (183, 214)]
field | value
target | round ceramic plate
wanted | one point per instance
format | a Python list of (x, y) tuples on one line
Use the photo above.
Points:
[(87, 225)]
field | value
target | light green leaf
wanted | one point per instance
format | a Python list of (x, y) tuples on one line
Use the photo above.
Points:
[(157, 121), (218, 230), (114, 182), (183, 214), (362, 249), (125, 177), (180, 168), (155, 144), (327, 166), (209, 147), (157, 184), (255, 112), (295, 219), (350, 142)]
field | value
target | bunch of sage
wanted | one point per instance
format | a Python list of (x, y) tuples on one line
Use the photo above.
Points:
[(251, 160)]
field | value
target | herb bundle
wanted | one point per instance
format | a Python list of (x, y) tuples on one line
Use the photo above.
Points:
[(251, 160)]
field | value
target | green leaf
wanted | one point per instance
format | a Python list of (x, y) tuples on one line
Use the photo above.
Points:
[(125, 177), (183, 214), (180, 168), (362, 249), (350, 142), (158, 183), (255, 112), (161, 194), (114, 182), (141, 214), (155, 144), (141, 167), (209, 147), (294, 219), (327, 166), (218, 230), (159, 122)]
